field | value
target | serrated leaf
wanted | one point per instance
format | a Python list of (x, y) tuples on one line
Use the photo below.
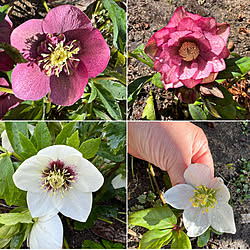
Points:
[(65, 133), (156, 80), (149, 110), (15, 218), (196, 112), (180, 241), (203, 239), (118, 17), (90, 147), (109, 102), (155, 239), (28, 149), (154, 218), (74, 141)]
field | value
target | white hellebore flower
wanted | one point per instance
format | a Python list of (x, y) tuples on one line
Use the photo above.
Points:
[(46, 233), (119, 182), (59, 179), (204, 200)]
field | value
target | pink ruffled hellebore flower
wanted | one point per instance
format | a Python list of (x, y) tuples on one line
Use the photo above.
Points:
[(6, 63), (7, 101), (63, 51), (204, 200), (190, 50)]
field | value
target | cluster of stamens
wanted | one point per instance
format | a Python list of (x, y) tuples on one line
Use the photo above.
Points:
[(57, 178), (57, 55), (204, 198), (189, 51)]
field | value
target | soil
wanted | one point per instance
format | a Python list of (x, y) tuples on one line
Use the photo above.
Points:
[(145, 17), (228, 145)]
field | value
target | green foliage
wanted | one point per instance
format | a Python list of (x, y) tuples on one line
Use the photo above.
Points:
[(41, 137), (90, 147), (73, 141), (203, 239), (153, 218), (156, 80), (149, 110), (15, 218), (3, 12), (106, 244), (180, 241), (196, 112), (65, 133)]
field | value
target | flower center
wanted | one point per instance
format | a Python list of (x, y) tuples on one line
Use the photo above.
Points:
[(57, 56), (204, 198), (57, 178), (189, 51)]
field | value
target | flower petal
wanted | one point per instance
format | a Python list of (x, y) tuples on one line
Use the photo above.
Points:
[(198, 174), (223, 30), (222, 218), (119, 182), (94, 51), (47, 233), (77, 205), (64, 18), (187, 70), (66, 90), (28, 82), (89, 178), (40, 204), (6, 63), (32, 170), (222, 193), (179, 196), (195, 221)]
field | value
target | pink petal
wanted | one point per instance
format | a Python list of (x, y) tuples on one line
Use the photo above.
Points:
[(170, 55), (223, 30), (176, 37), (205, 68), (190, 83), (216, 42), (26, 36), (66, 90), (210, 78), (64, 18), (6, 63), (208, 24), (94, 52), (28, 82), (151, 47), (218, 64), (187, 70), (188, 24), (162, 36)]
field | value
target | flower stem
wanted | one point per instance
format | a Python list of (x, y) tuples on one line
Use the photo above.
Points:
[(99, 218), (45, 5), (132, 166), (17, 156), (6, 90), (106, 78), (66, 245), (120, 220), (141, 59), (156, 184)]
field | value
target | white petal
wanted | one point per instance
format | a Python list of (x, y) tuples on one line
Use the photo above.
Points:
[(40, 203), (28, 175), (222, 218), (47, 233), (118, 182), (198, 174), (77, 205), (222, 192), (195, 221), (89, 178), (59, 152), (179, 196), (6, 142)]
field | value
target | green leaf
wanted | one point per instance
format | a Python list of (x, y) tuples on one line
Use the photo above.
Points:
[(18, 239), (101, 114), (14, 218), (74, 141), (90, 244), (155, 239), (180, 241), (156, 80), (135, 87), (196, 112), (65, 133), (4, 242), (28, 149), (149, 110), (118, 17), (90, 147), (105, 152), (112, 245), (115, 133), (203, 239), (3, 12), (9, 230), (153, 218), (210, 108), (13, 129), (41, 137), (93, 93), (109, 102)]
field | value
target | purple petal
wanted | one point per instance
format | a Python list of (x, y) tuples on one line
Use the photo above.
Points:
[(6, 29), (26, 37), (94, 52), (64, 18), (29, 83), (6, 63), (66, 90)]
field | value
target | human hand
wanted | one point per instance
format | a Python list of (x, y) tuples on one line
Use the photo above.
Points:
[(171, 146)]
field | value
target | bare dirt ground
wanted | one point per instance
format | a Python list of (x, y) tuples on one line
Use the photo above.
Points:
[(228, 145), (145, 17)]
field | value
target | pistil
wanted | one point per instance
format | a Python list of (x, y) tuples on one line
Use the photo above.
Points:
[(189, 51)]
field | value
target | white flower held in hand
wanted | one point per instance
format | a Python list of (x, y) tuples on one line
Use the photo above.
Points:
[(59, 179), (204, 200)]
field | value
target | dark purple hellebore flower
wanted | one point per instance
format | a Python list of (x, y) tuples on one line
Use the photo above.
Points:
[(7, 101), (6, 63), (63, 51)]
